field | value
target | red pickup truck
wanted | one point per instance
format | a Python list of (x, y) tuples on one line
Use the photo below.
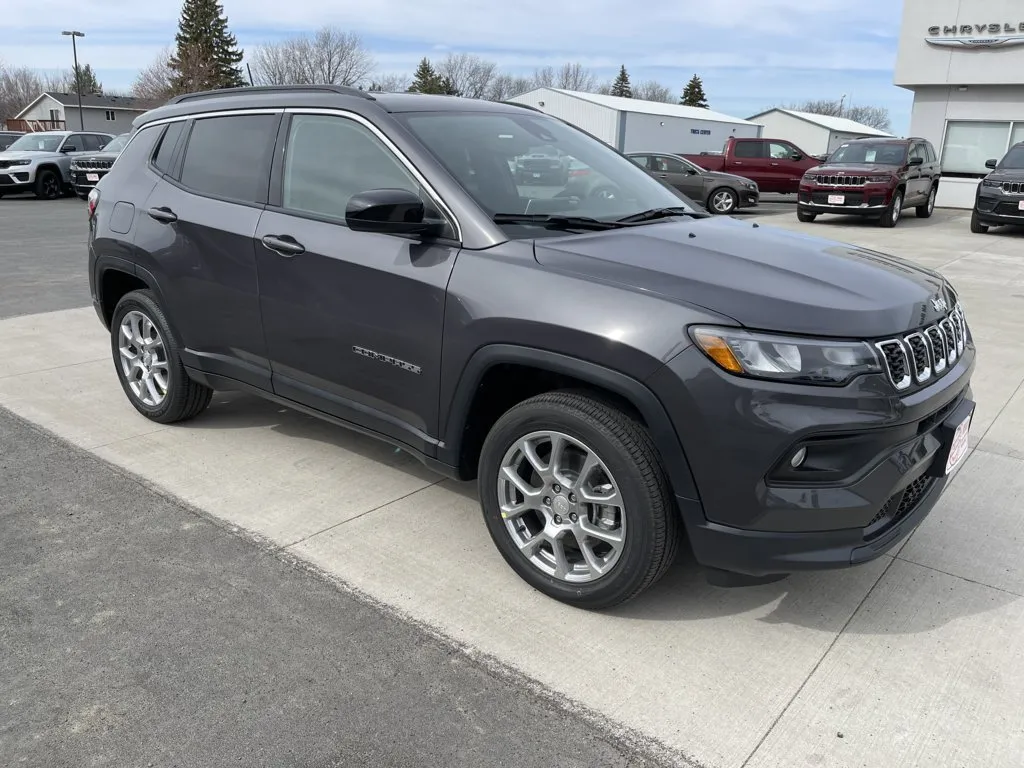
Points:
[(776, 165)]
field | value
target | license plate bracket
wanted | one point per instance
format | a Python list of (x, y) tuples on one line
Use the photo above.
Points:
[(837, 199), (955, 436), (92, 177)]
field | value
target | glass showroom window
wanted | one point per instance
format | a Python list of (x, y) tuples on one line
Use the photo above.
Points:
[(970, 143)]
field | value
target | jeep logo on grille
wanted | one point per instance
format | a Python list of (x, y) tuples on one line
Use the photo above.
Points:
[(940, 304)]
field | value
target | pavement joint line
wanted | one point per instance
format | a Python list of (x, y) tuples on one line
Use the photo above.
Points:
[(362, 514), (54, 368), (958, 576), (818, 663), (126, 439), (650, 749)]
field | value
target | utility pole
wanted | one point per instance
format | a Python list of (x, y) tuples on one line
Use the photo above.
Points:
[(78, 75)]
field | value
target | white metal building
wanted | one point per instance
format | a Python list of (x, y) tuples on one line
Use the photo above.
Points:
[(632, 125), (815, 134), (964, 61)]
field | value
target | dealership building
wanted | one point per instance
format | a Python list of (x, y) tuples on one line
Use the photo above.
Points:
[(635, 125), (964, 61)]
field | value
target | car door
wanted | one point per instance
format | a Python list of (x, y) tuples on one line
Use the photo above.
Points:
[(674, 171), (353, 320), (749, 158), (195, 234), (783, 166), (918, 177)]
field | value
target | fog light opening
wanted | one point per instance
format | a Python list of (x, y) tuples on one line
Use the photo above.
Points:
[(798, 458)]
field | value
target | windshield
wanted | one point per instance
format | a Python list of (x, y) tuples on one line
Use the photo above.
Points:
[(869, 153), (117, 143), (1014, 159), (480, 150), (37, 142)]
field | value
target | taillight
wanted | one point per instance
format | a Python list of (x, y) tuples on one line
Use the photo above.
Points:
[(94, 198)]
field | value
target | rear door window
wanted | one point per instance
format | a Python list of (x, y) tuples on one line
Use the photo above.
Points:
[(748, 149), (229, 157), (164, 154)]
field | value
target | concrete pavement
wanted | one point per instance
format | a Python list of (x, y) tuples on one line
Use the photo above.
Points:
[(912, 660)]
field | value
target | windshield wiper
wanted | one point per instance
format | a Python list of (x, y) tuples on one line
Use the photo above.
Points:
[(661, 213), (555, 220)]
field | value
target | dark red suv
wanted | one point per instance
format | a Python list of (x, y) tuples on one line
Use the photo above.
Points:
[(877, 178)]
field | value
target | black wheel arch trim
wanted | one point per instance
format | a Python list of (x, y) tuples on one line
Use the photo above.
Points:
[(106, 263), (635, 392)]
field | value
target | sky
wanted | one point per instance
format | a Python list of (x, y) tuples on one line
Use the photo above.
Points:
[(751, 54)]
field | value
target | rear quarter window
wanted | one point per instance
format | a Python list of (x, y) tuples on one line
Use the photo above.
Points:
[(164, 155)]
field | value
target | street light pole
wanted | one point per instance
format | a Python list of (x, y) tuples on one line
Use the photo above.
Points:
[(78, 75)]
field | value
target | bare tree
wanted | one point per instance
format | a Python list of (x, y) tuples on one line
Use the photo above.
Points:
[(505, 86), (652, 90), (543, 77), (391, 83), (154, 82), (575, 77), (329, 56), (18, 87), (469, 74), (874, 117)]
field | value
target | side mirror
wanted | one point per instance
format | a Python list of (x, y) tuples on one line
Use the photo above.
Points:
[(691, 172), (991, 163), (916, 161), (389, 211), (69, 148), (798, 157)]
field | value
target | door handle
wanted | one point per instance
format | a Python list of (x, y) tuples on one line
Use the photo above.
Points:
[(283, 245), (164, 215), (774, 163), (662, 175)]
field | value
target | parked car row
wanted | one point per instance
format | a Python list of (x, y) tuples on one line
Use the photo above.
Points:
[(42, 163)]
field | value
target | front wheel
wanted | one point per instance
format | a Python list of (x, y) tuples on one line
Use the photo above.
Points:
[(893, 212), (48, 185), (146, 356), (806, 217), (576, 500), (925, 211), (723, 201), (976, 226)]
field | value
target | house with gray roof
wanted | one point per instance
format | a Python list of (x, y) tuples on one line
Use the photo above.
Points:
[(52, 111)]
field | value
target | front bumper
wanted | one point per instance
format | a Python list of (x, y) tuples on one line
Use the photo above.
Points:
[(999, 209), (80, 179), (748, 198), (868, 200), (886, 455), (16, 178)]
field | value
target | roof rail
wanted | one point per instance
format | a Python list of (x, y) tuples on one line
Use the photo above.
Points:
[(343, 90)]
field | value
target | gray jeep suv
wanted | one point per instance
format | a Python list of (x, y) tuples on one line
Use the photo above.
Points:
[(612, 369), (41, 162)]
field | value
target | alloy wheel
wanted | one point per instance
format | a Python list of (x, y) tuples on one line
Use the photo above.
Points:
[(723, 202), (561, 507), (931, 200), (143, 358), (51, 188), (897, 208)]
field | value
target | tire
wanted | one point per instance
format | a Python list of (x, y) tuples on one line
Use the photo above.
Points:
[(182, 398), (723, 201), (976, 226), (925, 211), (893, 212), (648, 523), (806, 218), (48, 185)]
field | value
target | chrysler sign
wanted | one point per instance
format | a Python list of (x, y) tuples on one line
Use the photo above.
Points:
[(1001, 35)]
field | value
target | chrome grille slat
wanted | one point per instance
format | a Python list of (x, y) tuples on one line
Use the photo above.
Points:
[(920, 356), (927, 353), (839, 180), (951, 353), (1012, 188)]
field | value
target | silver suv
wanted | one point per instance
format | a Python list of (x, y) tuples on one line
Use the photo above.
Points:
[(41, 162)]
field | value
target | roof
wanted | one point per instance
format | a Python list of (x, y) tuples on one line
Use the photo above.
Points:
[(623, 104), (828, 122), (90, 101)]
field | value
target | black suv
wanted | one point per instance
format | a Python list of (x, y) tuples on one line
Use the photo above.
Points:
[(1000, 196), (877, 178), (87, 170), (611, 368)]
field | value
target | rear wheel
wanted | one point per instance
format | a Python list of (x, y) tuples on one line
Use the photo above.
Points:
[(576, 500), (893, 212), (146, 356), (806, 217), (722, 201), (925, 211), (48, 185), (976, 226)]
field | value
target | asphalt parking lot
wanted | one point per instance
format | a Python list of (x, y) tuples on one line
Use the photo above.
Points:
[(148, 582)]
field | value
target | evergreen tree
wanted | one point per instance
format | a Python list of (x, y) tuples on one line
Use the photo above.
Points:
[(693, 94), (621, 86), (427, 80), (207, 55), (83, 80)]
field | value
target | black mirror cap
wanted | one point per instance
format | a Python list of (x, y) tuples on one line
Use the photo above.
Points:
[(991, 164), (390, 211), (69, 148), (916, 161), (798, 156)]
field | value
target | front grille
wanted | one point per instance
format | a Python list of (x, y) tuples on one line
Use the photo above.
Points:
[(5, 163), (5, 179), (93, 164), (851, 198), (926, 353), (901, 504), (839, 180), (1012, 188)]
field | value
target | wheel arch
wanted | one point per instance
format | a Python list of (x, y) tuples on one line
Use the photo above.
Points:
[(473, 410), (116, 278)]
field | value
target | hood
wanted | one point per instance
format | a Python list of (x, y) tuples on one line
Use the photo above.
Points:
[(106, 156), (761, 277), (1000, 174), (730, 177), (29, 155), (856, 170)]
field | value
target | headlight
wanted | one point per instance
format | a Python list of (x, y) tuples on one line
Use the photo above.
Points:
[(20, 162), (991, 183), (785, 358), (750, 185), (811, 176), (879, 179)]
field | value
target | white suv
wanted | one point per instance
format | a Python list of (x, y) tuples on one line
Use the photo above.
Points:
[(41, 162)]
